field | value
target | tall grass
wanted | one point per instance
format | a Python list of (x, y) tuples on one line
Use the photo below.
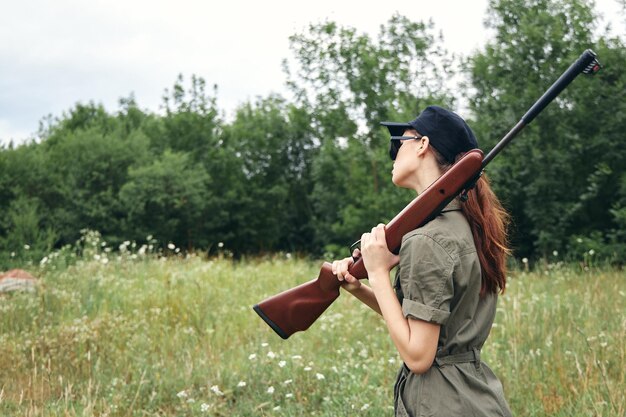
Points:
[(149, 336)]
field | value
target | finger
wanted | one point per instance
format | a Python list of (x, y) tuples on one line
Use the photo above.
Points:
[(335, 269), (375, 234), (342, 269), (356, 252), (380, 232), (351, 279)]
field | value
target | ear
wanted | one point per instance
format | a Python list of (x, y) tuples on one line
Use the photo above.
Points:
[(423, 146)]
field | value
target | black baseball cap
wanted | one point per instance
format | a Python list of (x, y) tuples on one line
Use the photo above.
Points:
[(446, 130)]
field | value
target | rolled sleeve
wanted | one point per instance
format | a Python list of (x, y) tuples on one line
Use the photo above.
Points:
[(426, 279), (416, 310)]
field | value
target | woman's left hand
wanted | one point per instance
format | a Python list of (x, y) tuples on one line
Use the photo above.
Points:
[(376, 256)]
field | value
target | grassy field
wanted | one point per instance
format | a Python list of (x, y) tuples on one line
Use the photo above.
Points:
[(148, 336)]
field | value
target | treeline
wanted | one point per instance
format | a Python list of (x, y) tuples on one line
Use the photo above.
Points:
[(311, 174)]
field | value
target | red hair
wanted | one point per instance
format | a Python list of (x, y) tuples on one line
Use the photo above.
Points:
[(488, 221)]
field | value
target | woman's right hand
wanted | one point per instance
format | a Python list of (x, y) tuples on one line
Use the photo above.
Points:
[(340, 269)]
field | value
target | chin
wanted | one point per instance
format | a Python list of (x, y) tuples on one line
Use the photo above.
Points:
[(400, 182), (397, 181)]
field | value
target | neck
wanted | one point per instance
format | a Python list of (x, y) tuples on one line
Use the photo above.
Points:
[(428, 174)]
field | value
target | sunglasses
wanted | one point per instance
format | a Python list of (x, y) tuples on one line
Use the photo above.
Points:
[(396, 142)]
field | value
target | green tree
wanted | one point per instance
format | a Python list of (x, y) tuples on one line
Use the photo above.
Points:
[(272, 144), (27, 237), (26, 229), (349, 83), (165, 198), (555, 178), (72, 177), (191, 120)]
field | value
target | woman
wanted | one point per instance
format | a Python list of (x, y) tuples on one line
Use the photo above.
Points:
[(442, 305)]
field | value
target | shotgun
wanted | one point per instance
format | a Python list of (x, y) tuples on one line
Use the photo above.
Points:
[(296, 309)]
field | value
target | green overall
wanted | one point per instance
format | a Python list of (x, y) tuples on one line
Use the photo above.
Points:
[(438, 281)]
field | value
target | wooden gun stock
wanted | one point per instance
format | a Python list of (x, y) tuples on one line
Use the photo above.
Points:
[(296, 309)]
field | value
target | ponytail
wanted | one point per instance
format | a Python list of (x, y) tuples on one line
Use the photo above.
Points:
[(488, 221)]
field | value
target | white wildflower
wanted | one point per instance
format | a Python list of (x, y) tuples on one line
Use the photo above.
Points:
[(525, 260), (171, 246), (288, 381), (204, 407), (307, 368), (27, 247), (220, 245), (579, 240), (270, 390), (241, 384), (216, 390), (289, 395), (182, 394), (319, 376), (555, 253), (264, 344), (252, 356), (591, 252), (276, 408), (271, 355), (282, 364), (365, 407), (296, 357)]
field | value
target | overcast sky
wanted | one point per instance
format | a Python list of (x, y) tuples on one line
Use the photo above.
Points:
[(56, 53)]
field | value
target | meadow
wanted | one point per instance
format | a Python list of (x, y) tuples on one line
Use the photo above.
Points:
[(133, 333)]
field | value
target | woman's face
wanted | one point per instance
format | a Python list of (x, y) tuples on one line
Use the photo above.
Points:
[(406, 164)]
